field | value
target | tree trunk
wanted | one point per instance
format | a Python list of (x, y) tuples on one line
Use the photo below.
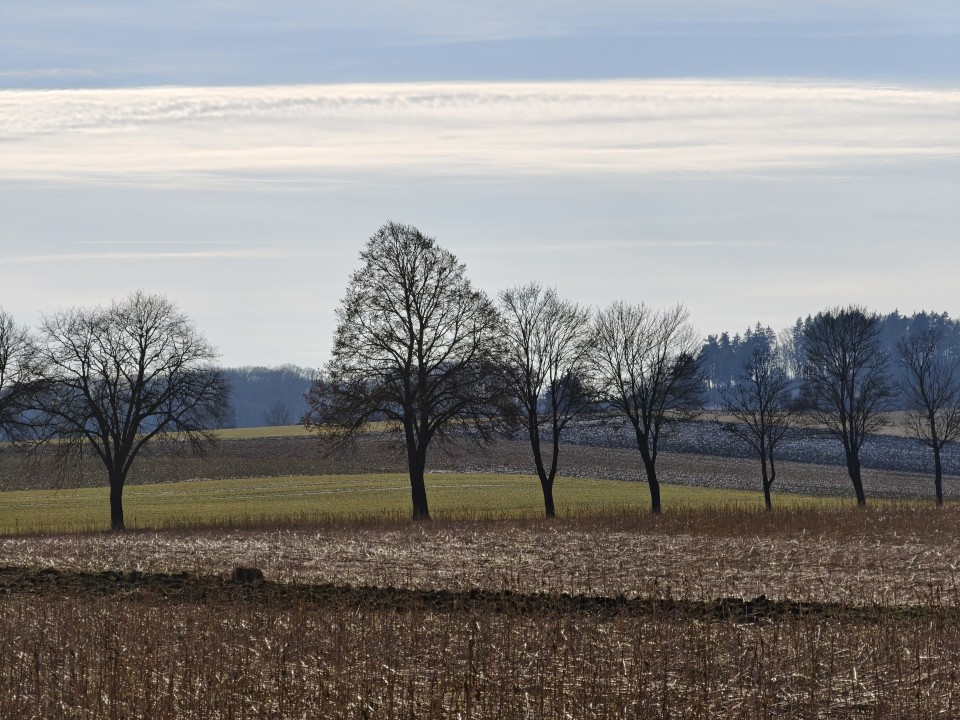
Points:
[(654, 485), (546, 479), (654, 489), (766, 483), (116, 503), (548, 507), (417, 460), (552, 474), (650, 466), (938, 475), (853, 470)]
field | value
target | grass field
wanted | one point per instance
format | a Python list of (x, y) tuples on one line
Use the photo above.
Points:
[(262, 432), (275, 431), (304, 499)]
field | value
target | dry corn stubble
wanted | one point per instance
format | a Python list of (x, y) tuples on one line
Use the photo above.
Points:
[(892, 556), (75, 656), (138, 655)]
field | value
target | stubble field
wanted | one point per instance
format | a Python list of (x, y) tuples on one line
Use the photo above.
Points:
[(817, 610)]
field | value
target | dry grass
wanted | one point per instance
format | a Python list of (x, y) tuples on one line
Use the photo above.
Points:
[(231, 656), (284, 431), (124, 645), (274, 431), (892, 556)]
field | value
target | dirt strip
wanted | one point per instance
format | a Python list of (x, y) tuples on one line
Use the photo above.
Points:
[(883, 561), (247, 586)]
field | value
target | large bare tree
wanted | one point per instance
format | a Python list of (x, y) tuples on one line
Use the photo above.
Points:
[(931, 389), (846, 386), (123, 375), (415, 344), (762, 411), (646, 363), (21, 378), (546, 344)]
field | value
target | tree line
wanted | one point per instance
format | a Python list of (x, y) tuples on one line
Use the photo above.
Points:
[(417, 345), (724, 355), (267, 396)]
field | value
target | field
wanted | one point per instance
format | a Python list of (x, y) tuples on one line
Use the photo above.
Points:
[(302, 500), (715, 609)]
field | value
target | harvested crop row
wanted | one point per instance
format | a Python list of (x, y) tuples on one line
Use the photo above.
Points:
[(894, 556), (130, 657)]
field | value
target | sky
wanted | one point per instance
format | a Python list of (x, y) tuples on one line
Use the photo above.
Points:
[(757, 160)]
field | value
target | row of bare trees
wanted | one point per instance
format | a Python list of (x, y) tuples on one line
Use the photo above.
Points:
[(418, 345), (844, 385), (112, 379)]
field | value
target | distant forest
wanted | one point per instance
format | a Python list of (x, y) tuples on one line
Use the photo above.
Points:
[(275, 395), (264, 396), (724, 356)]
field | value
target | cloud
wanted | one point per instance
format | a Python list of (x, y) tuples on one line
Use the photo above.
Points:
[(55, 72), (617, 245), (471, 129), (139, 257)]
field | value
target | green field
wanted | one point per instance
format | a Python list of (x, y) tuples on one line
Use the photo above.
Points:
[(305, 499), (283, 431), (262, 432)]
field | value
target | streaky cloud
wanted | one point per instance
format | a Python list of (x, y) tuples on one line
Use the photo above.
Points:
[(52, 258), (610, 245), (150, 135)]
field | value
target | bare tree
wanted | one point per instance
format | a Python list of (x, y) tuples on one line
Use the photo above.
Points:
[(547, 343), (647, 365), (124, 375), (415, 344), (21, 378), (931, 388), (762, 410), (846, 386)]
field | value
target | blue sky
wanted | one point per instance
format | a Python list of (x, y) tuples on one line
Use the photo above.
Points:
[(215, 42), (755, 160)]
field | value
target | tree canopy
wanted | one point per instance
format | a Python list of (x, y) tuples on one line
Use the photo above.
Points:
[(416, 344), (120, 376)]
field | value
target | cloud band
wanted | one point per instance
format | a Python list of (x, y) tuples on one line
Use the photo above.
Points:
[(635, 126)]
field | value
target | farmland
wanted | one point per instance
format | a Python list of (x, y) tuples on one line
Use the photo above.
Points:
[(699, 455), (713, 610)]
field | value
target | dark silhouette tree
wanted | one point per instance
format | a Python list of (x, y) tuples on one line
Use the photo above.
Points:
[(415, 344), (21, 379), (762, 410), (122, 376), (931, 389), (646, 364), (546, 344), (846, 384)]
